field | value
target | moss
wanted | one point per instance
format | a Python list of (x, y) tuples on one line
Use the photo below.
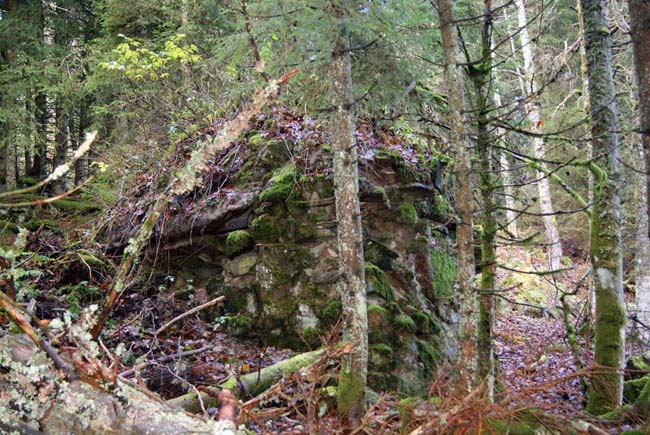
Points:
[(405, 408), (426, 324), (90, 259), (405, 322), (442, 208), (300, 258), (378, 310), (380, 255), (238, 241), (444, 273), (429, 356), (407, 214), (311, 335), (256, 140), (418, 245), (281, 185), (332, 310), (8, 226), (381, 357), (383, 349), (264, 229), (73, 205), (511, 427), (377, 281), (380, 192), (350, 391), (608, 350)]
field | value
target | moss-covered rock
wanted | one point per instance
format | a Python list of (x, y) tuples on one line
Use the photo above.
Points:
[(444, 273), (378, 282), (405, 322), (238, 241), (242, 265), (408, 214), (264, 229), (332, 311), (281, 185)]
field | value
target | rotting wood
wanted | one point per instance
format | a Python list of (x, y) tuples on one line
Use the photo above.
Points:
[(252, 383)]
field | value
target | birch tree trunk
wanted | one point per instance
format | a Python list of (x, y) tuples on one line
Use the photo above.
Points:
[(48, 8), (532, 108), (459, 139), (352, 380), (606, 389)]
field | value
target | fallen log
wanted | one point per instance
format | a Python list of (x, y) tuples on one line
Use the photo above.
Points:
[(35, 398), (251, 383)]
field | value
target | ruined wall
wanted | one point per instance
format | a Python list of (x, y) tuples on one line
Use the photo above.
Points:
[(270, 247)]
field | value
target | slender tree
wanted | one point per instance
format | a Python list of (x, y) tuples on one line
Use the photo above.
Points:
[(480, 73), (642, 252), (606, 389), (531, 90), (352, 381), (48, 8), (454, 78), (640, 32)]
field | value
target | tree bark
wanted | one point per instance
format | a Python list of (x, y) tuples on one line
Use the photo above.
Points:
[(480, 74), (48, 8), (459, 139), (354, 365), (35, 400), (606, 389), (640, 31), (532, 108), (642, 253)]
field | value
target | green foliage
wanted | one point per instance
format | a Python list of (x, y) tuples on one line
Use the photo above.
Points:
[(17, 257), (79, 296), (139, 63)]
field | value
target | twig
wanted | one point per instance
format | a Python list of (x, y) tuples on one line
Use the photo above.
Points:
[(23, 324), (165, 358), (59, 171), (189, 313)]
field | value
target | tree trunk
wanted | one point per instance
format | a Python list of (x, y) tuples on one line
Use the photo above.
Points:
[(640, 32), (642, 253), (480, 74), (606, 389), (352, 381), (459, 139), (49, 152), (532, 108)]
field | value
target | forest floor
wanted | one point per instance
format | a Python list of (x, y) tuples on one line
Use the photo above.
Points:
[(536, 366)]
